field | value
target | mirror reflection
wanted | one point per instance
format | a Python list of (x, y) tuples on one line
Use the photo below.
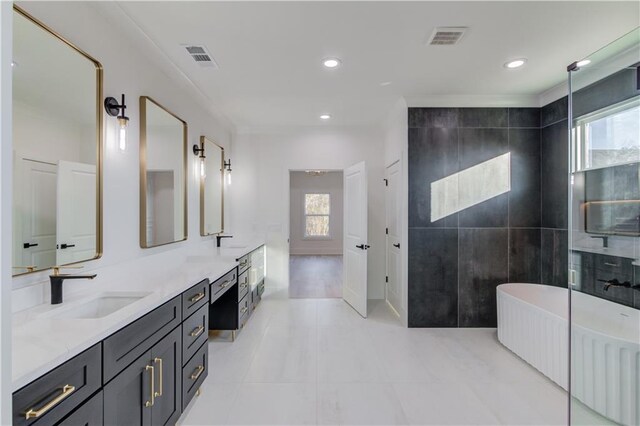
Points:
[(56, 141), (211, 188), (163, 183)]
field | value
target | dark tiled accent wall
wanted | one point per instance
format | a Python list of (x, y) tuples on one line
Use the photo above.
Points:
[(456, 263)]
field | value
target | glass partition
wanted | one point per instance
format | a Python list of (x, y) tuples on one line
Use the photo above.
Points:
[(604, 235)]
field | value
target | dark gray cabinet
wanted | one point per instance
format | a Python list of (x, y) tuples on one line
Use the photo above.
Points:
[(193, 374), (194, 332), (89, 414), (195, 298)]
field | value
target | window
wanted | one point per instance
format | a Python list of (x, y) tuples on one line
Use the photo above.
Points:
[(608, 137), (317, 208)]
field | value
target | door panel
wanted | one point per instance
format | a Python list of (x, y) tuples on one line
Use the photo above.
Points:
[(166, 356), (355, 238), (126, 395), (393, 289)]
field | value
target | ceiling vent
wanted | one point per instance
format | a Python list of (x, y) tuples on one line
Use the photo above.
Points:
[(201, 55), (446, 36)]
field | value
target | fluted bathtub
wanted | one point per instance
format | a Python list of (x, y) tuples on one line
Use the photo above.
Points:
[(532, 322)]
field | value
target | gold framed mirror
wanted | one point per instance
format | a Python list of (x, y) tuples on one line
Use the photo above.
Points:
[(211, 187), (163, 175), (57, 142)]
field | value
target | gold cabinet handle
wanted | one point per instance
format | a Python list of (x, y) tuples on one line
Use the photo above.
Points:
[(159, 362), (33, 413), (245, 285), (243, 310), (197, 372), (224, 284), (197, 331), (153, 386), (197, 297), (615, 265)]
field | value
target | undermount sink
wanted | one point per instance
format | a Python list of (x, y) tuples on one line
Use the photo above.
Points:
[(99, 307)]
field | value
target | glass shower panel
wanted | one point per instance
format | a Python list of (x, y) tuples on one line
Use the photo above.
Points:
[(604, 235)]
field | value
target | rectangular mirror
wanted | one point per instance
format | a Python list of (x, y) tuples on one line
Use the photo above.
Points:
[(211, 187), (163, 175), (57, 143)]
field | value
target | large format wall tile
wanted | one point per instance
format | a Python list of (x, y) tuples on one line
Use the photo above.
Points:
[(554, 175), (524, 117), (433, 117), (524, 197), (483, 117), (433, 277), (433, 155), (483, 266), (554, 112), (524, 255), (609, 91), (554, 246)]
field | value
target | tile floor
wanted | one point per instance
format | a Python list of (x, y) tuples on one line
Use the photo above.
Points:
[(315, 361), (315, 277)]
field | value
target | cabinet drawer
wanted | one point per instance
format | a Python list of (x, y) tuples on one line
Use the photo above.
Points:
[(89, 413), (244, 307), (614, 265), (229, 279), (193, 374), (195, 332), (125, 346), (243, 284), (60, 391), (194, 298), (244, 263)]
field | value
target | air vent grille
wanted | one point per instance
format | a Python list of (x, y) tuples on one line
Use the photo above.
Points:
[(446, 36), (200, 55)]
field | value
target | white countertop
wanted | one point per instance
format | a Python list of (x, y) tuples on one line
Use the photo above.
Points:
[(41, 343)]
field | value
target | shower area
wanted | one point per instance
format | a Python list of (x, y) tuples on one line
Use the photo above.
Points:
[(604, 235)]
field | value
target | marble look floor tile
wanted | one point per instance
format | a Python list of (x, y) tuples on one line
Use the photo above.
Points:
[(285, 355), (213, 405), (359, 404), (442, 404), (294, 313), (347, 354), (336, 312), (274, 404)]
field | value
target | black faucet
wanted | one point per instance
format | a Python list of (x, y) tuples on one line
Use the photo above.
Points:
[(220, 237), (605, 239), (614, 283), (57, 280)]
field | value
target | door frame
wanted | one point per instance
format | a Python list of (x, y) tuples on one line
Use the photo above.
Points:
[(386, 239)]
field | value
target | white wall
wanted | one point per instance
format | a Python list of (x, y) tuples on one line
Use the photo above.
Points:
[(262, 160), (6, 155), (132, 67), (302, 183), (396, 140)]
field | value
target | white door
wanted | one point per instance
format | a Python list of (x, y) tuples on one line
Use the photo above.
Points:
[(393, 289), (76, 212), (35, 215), (354, 290)]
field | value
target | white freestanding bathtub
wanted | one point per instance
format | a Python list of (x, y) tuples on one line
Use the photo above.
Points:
[(532, 322)]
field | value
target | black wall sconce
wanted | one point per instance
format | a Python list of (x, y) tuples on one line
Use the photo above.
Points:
[(226, 165), (113, 108), (198, 151)]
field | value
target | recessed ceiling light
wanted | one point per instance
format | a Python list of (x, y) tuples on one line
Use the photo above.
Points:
[(13, 64), (516, 63), (331, 62), (583, 62), (385, 83), (325, 116)]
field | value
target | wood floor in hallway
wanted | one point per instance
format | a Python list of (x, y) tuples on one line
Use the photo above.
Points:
[(315, 277)]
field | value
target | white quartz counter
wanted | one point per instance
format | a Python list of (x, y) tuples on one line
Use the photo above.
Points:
[(41, 343)]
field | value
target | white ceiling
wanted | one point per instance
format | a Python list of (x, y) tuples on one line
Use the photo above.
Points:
[(269, 53)]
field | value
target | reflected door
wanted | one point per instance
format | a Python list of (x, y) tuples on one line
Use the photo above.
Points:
[(393, 289), (354, 289)]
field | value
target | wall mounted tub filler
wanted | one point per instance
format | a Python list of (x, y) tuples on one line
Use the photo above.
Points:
[(615, 283), (57, 279)]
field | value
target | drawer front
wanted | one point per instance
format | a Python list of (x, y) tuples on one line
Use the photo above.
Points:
[(614, 265), (243, 284), (194, 298), (193, 374), (125, 346), (89, 414), (244, 307), (260, 289), (244, 263), (195, 332), (229, 279), (59, 392), (243, 320)]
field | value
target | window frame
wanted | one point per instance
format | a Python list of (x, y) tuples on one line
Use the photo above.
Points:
[(579, 161), (329, 235)]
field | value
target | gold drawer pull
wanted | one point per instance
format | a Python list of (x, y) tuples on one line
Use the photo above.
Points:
[(197, 372), (66, 391), (243, 285), (153, 387), (196, 331), (197, 298), (615, 265), (243, 310), (159, 361), (224, 284)]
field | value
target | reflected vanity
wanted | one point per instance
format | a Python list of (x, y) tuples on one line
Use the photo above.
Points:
[(57, 139), (163, 180), (211, 157)]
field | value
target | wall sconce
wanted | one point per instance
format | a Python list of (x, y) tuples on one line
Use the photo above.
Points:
[(227, 167), (112, 107), (198, 151)]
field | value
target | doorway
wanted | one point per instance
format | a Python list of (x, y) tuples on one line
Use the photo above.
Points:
[(316, 234)]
